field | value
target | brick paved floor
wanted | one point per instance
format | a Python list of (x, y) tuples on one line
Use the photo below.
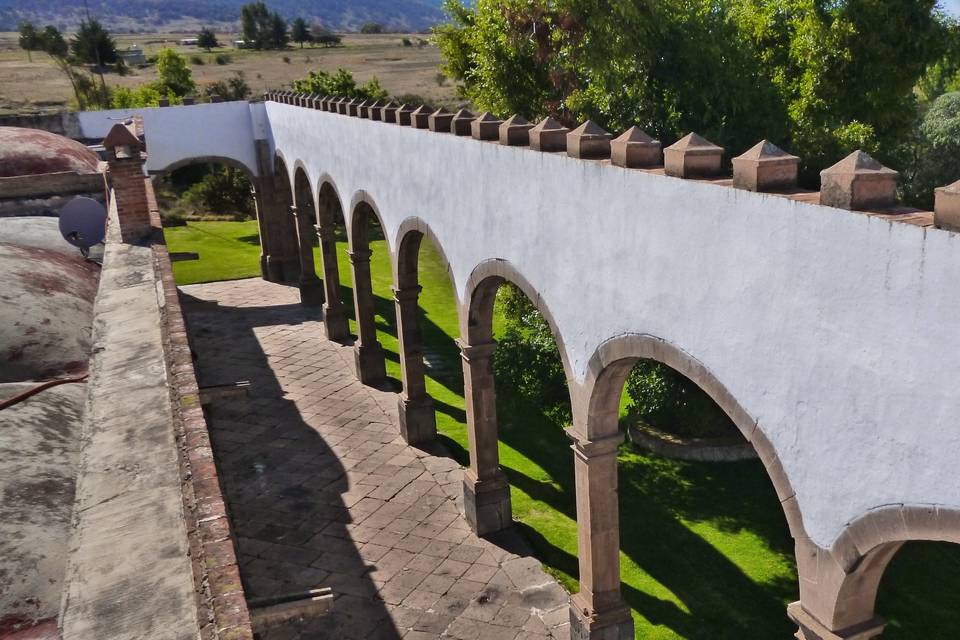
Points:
[(324, 492)]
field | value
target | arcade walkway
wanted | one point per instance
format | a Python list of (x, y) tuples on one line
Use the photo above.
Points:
[(324, 492)]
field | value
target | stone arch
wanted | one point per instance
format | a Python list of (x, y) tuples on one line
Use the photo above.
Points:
[(486, 490), (596, 435), (607, 371), (476, 317), (418, 422), (276, 220), (304, 210), (839, 586), (368, 354), (250, 172), (329, 215)]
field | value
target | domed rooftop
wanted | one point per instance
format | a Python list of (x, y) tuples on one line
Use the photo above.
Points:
[(27, 152)]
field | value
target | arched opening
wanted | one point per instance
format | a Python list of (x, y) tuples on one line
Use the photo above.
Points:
[(919, 593), (209, 207), (367, 240), (331, 230), (518, 406), (304, 210), (705, 549), (427, 326)]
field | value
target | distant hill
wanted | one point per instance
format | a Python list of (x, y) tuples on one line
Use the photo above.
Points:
[(157, 15)]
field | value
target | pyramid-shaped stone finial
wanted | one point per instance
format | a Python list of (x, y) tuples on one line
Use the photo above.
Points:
[(353, 107), (376, 110), (765, 167), (403, 115), (420, 117), (635, 149), (548, 136), (692, 157), (858, 182), (342, 106), (328, 103), (485, 127), (363, 109), (588, 141), (946, 211), (439, 121), (515, 131), (389, 113), (460, 122)]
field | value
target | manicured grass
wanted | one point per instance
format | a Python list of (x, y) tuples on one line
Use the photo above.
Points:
[(705, 551), (228, 250)]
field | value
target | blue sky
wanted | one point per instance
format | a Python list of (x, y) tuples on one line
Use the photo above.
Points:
[(953, 6)]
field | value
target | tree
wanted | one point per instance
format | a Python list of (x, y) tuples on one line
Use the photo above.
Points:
[(818, 77), (937, 150), (278, 32), (29, 39), (173, 73), (324, 36), (93, 44), (372, 27), (300, 32), (340, 83), (207, 39)]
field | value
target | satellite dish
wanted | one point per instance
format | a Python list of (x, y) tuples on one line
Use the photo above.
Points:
[(83, 223)]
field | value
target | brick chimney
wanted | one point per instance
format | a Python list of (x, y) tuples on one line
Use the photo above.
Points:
[(125, 159)]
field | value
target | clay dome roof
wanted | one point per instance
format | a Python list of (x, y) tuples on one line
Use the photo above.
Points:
[(26, 152)]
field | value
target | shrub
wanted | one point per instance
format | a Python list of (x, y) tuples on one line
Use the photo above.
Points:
[(406, 42), (668, 401), (222, 191), (196, 60), (222, 59), (286, 59)]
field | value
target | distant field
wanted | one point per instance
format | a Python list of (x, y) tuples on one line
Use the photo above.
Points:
[(39, 86)]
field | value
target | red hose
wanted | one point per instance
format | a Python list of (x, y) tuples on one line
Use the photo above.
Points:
[(43, 386)]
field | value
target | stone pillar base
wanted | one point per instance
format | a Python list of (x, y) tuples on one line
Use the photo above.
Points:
[(271, 268), (370, 363), (336, 322), (311, 293), (612, 624), (486, 503), (813, 629), (291, 269), (418, 421)]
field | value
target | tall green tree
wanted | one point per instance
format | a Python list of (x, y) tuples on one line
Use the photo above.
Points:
[(173, 73), (207, 39), (278, 32), (300, 32), (93, 44), (29, 39)]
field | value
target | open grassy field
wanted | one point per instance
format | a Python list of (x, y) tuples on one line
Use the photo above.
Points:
[(27, 85), (705, 552)]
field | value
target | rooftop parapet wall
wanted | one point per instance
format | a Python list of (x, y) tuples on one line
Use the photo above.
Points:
[(833, 330)]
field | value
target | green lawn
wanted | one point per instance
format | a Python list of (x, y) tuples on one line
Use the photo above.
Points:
[(705, 552)]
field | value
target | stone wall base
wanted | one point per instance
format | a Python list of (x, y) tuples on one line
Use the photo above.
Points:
[(486, 503), (311, 293), (614, 624), (418, 421), (812, 629), (370, 364)]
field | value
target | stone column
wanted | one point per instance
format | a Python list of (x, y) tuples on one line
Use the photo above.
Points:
[(368, 354), (597, 612), (311, 289), (334, 311), (486, 492), (418, 422), (279, 252), (837, 601)]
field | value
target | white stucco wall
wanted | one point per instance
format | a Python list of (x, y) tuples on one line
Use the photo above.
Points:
[(836, 331), (175, 134)]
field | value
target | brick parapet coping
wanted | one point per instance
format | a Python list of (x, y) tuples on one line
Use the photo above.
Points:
[(221, 602)]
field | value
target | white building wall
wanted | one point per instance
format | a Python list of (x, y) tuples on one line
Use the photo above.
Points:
[(836, 331)]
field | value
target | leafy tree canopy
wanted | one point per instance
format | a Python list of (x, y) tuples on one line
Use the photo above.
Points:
[(261, 28), (93, 44), (207, 39), (340, 83), (173, 73), (819, 77), (300, 32)]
